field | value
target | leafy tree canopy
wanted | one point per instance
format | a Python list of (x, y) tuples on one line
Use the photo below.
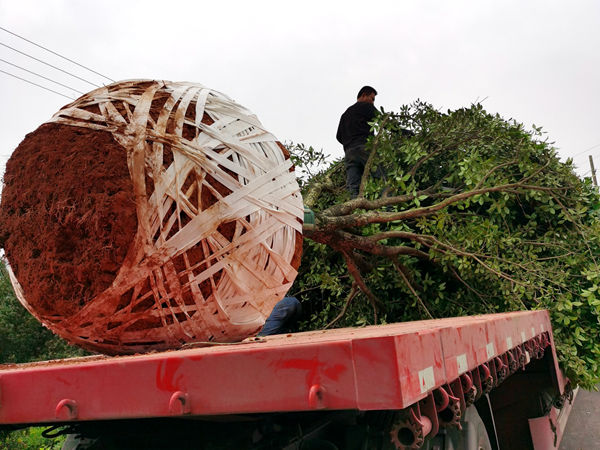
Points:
[(476, 214), (22, 337)]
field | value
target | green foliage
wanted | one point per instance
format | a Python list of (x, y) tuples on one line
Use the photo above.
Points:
[(308, 161), (22, 337), (29, 439), (499, 223)]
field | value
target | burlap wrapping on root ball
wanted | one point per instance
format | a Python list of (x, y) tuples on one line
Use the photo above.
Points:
[(148, 214)]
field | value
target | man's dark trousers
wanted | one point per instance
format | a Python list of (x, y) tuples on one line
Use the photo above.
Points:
[(356, 159), (284, 315)]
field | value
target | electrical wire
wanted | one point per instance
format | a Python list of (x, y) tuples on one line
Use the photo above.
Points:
[(41, 76), (38, 85), (57, 54), (50, 65), (586, 150)]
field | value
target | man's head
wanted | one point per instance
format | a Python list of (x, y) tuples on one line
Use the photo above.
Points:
[(366, 94)]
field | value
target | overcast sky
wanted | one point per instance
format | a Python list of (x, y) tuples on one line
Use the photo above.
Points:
[(299, 64)]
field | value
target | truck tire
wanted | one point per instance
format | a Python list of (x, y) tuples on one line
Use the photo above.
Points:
[(473, 435), (77, 442)]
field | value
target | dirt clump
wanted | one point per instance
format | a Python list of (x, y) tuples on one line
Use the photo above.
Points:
[(67, 216)]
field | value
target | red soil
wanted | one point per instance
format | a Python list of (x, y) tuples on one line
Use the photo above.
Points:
[(68, 219), (67, 216)]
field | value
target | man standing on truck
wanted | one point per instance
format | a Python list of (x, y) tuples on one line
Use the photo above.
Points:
[(353, 132)]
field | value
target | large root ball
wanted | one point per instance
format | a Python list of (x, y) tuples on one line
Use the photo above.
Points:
[(148, 214)]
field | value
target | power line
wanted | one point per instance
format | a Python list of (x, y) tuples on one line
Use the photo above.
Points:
[(586, 150), (593, 154), (41, 76), (35, 84), (48, 64), (57, 54)]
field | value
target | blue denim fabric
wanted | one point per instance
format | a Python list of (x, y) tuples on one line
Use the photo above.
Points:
[(284, 314)]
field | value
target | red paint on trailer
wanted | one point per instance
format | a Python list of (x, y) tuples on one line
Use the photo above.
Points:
[(381, 367), (167, 378), (313, 366)]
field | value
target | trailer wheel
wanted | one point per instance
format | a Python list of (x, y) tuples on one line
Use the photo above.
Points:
[(77, 442), (473, 435)]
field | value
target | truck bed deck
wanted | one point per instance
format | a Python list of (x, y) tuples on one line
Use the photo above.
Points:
[(378, 367)]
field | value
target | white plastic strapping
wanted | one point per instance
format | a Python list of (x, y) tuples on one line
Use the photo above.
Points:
[(184, 279)]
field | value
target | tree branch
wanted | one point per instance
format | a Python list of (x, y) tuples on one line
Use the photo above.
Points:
[(353, 269), (492, 170), (342, 240), (422, 160), (342, 313), (471, 288), (401, 270), (345, 208), (315, 189), (369, 164), (327, 223)]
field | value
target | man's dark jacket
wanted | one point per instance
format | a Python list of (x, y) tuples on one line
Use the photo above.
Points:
[(354, 128)]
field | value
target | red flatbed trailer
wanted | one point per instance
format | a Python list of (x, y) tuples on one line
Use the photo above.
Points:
[(419, 378)]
